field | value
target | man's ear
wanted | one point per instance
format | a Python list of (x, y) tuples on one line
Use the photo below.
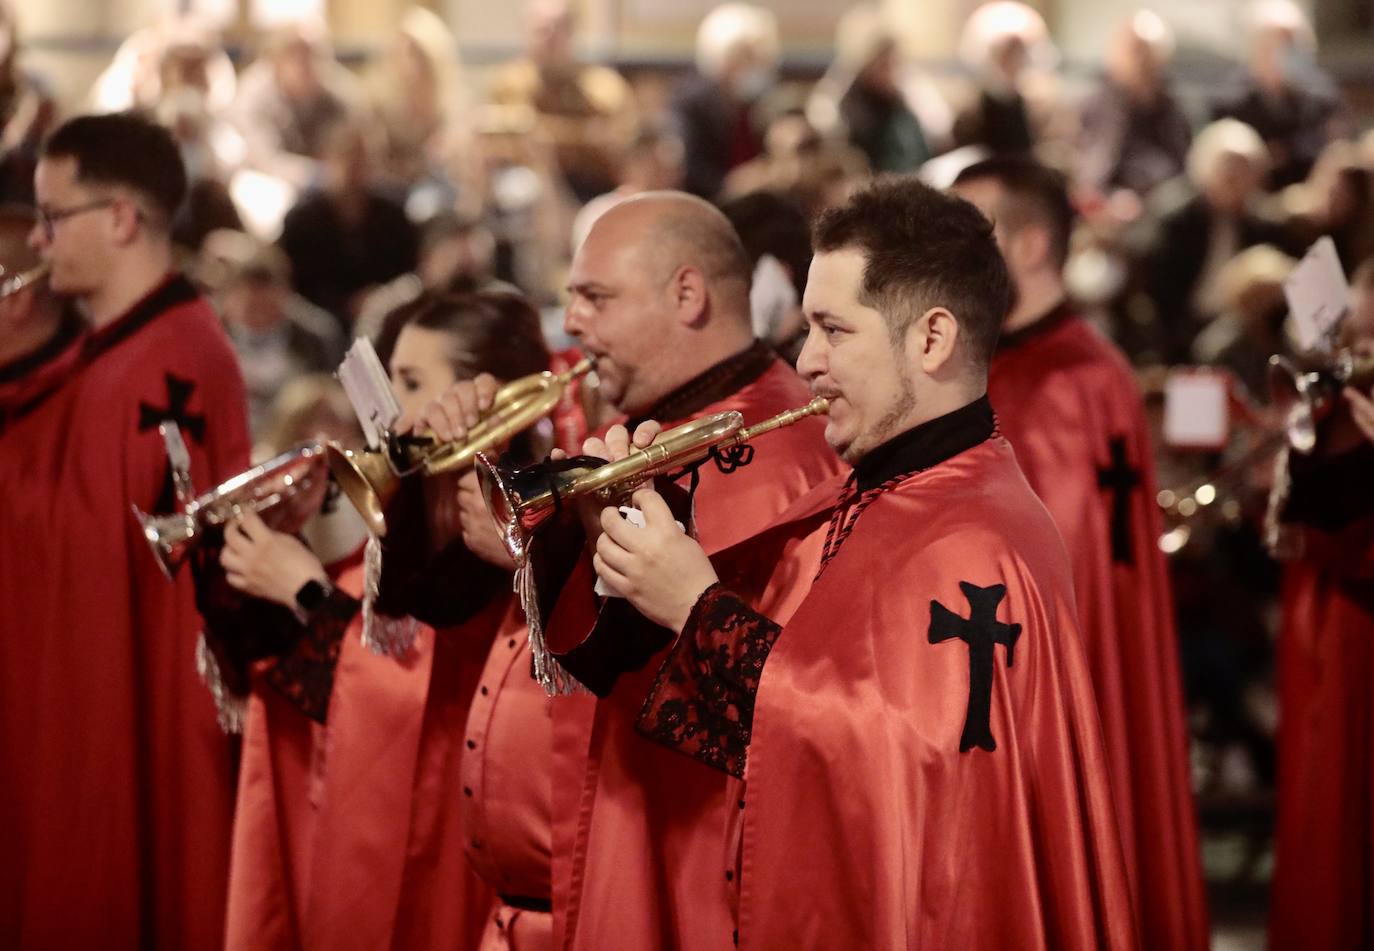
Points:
[(1029, 247), (127, 219), (932, 340), (688, 295)]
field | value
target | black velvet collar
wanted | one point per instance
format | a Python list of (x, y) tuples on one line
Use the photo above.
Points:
[(173, 292), (928, 444), (711, 386), (1057, 315)]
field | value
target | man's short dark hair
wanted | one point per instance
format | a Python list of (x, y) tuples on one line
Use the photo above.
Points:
[(1033, 193), (923, 248), (127, 150)]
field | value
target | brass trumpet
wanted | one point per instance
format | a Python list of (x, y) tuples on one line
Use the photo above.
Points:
[(17, 282), (371, 477), (173, 537), (521, 499)]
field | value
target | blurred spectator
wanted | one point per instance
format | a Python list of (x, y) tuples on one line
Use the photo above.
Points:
[(289, 99), (1336, 200), (798, 162), (585, 111), (1006, 47), (863, 90), (310, 407), (653, 162), (346, 237), (27, 112), (457, 256), (716, 111), (1250, 328), (1132, 134), (1199, 226), (277, 334), (418, 93), (777, 237), (1282, 94)]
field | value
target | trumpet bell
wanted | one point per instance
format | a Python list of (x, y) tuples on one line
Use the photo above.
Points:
[(171, 538), (367, 479), (512, 497)]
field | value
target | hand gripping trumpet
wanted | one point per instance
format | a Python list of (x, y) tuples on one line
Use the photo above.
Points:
[(521, 499), (371, 477), (263, 487)]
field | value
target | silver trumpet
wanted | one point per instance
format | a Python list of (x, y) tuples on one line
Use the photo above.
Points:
[(173, 537)]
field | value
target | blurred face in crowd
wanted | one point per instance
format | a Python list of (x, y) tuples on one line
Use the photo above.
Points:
[(297, 75), (1233, 182), (257, 305), (851, 358), (348, 162), (85, 226), (620, 307), (550, 28), (420, 367)]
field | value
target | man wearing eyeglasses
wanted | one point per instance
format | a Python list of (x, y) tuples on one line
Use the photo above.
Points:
[(116, 794)]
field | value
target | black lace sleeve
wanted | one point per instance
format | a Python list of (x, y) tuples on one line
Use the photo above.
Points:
[(702, 702), (239, 629), (305, 674)]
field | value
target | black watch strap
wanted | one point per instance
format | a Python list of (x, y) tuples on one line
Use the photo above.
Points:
[(312, 596)]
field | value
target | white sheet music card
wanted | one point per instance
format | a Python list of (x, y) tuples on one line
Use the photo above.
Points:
[(1318, 295), (369, 390), (1196, 409)]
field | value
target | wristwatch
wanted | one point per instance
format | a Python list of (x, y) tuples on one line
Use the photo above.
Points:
[(312, 596)]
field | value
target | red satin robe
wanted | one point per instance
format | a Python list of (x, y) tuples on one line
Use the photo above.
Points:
[(637, 828), (1069, 405), (864, 825), (1323, 890), (117, 787), (507, 793), (349, 834)]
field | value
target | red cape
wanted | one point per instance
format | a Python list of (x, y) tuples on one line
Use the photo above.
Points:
[(1069, 405), (864, 824), (117, 795), (1323, 886), (637, 827), (349, 836)]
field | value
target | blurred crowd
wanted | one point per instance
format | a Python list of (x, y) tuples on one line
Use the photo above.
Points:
[(325, 197)]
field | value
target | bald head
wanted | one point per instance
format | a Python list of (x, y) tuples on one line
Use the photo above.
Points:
[(674, 230), (659, 293)]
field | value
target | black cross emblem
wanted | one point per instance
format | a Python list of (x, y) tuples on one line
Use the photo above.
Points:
[(981, 631), (1122, 480), (178, 396)]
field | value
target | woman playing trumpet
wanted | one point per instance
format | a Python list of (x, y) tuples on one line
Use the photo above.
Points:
[(374, 809)]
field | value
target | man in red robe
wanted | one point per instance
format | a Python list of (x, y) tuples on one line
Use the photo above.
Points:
[(1324, 843), (916, 731), (123, 777), (660, 298), (1068, 403)]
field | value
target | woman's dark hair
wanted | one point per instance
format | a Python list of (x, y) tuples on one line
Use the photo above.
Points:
[(494, 332)]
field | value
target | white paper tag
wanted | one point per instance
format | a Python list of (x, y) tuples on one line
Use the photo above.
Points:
[(636, 518), (369, 391), (1318, 296), (1196, 409)]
